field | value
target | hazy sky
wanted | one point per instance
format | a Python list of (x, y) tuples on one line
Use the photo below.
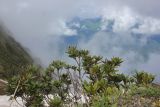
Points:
[(39, 24)]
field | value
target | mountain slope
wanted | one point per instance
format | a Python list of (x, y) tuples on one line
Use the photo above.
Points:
[(12, 55)]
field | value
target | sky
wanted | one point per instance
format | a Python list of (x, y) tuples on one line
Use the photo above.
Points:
[(127, 28)]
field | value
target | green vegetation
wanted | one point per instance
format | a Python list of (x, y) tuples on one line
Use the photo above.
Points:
[(144, 78), (12, 56), (91, 82)]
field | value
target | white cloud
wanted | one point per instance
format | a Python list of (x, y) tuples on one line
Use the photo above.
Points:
[(149, 26), (125, 19), (66, 30), (61, 29), (76, 24)]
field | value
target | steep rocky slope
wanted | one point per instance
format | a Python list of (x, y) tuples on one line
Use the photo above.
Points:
[(12, 55)]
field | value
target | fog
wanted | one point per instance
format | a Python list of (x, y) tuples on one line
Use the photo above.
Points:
[(39, 25)]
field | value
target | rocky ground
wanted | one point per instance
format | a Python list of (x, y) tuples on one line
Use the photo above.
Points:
[(134, 101), (5, 102)]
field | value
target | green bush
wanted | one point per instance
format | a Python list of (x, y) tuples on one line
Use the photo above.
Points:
[(144, 78), (148, 91), (55, 102), (96, 79)]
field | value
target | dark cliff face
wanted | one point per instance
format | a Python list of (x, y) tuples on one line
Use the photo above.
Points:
[(13, 57)]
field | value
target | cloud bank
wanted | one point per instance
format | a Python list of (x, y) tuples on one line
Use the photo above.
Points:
[(127, 29)]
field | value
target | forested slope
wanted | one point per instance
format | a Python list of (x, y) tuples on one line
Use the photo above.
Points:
[(12, 55)]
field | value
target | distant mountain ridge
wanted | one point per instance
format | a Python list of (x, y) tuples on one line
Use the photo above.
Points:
[(12, 55)]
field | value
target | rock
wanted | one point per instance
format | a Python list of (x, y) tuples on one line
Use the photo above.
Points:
[(5, 102), (2, 87)]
